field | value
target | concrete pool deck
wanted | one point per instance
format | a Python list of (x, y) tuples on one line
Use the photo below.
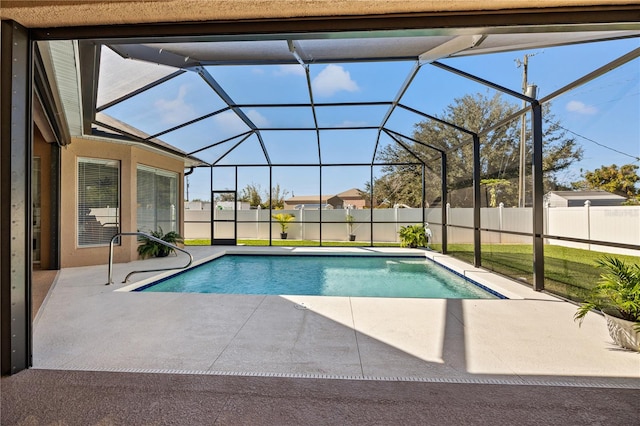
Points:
[(530, 339)]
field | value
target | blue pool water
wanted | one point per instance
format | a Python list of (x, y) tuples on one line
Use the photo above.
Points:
[(322, 276)]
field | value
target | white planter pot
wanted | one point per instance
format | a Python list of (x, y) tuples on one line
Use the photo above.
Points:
[(622, 332)]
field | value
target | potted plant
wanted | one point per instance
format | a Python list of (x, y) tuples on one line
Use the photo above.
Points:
[(350, 219), (283, 219), (617, 296), (412, 236), (151, 248)]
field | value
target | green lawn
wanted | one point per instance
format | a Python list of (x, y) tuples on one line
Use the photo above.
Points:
[(569, 272)]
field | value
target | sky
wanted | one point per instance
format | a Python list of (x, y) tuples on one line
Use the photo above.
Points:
[(602, 115)]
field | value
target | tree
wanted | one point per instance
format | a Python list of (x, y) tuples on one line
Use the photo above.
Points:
[(277, 197), (396, 188), (621, 181), (254, 195), (224, 197), (493, 187), (499, 152), (251, 195)]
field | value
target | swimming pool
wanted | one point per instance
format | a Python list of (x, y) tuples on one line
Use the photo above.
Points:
[(353, 276)]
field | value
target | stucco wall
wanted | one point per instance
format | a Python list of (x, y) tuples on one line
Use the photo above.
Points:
[(129, 157), (57, 13)]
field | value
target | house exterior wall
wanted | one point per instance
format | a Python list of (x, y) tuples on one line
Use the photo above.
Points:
[(355, 202), (129, 156), (600, 198), (554, 200), (313, 200), (337, 201)]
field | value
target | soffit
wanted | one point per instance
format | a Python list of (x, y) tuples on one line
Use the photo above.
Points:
[(65, 72), (136, 137)]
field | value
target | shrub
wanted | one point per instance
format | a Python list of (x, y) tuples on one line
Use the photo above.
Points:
[(412, 236)]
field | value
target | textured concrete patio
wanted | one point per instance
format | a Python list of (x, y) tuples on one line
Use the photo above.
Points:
[(529, 339)]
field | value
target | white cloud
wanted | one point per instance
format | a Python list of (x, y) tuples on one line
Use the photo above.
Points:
[(349, 123), (175, 111), (258, 119), (231, 123), (581, 108), (333, 79), (284, 70)]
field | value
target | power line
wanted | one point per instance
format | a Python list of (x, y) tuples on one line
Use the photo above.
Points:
[(596, 142)]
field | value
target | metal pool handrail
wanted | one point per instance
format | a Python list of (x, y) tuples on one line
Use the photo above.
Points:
[(152, 238)]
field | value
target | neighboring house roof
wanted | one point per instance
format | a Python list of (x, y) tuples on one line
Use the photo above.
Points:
[(301, 199), (586, 195), (350, 193)]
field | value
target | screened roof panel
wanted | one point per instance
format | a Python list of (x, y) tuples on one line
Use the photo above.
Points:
[(387, 141), (360, 46), (434, 89), (266, 84), (351, 116), (354, 80), (358, 82), (179, 100), (247, 151), (281, 117), (230, 51), (221, 150), (568, 63), (292, 147), (119, 76), (347, 146), (403, 121), (206, 132), (384, 48), (496, 43)]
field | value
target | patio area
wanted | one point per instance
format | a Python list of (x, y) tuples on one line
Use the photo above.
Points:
[(530, 339)]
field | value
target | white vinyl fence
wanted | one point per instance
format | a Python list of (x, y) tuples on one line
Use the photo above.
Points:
[(611, 224)]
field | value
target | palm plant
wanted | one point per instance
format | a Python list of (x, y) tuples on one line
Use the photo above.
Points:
[(151, 248), (617, 292), (412, 236), (283, 219)]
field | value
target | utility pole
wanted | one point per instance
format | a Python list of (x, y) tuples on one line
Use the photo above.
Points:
[(531, 92)]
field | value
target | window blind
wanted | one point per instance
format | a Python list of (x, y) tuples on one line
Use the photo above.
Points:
[(98, 201), (157, 199)]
